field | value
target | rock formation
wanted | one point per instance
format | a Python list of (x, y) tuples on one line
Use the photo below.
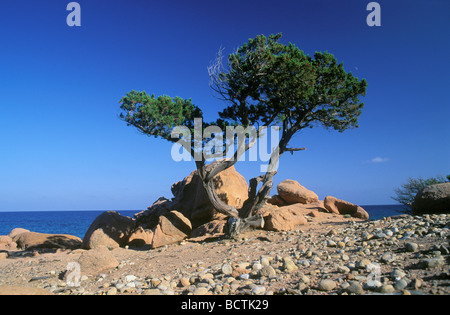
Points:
[(432, 199), (343, 207), (292, 192), (109, 229)]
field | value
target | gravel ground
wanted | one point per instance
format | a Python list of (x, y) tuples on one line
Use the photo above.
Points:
[(398, 255)]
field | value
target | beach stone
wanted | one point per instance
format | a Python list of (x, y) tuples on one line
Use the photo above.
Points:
[(355, 288), (292, 192), (258, 290), (400, 285), (388, 288), (289, 265), (97, 260), (363, 263), (411, 247), (388, 257), (326, 285), (112, 291), (432, 262), (227, 269), (201, 291), (184, 282), (398, 274), (267, 271)]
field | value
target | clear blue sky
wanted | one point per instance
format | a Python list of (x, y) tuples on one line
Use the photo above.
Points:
[(62, 146)]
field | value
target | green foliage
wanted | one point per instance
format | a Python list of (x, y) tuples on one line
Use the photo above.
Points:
[(158, 116), (408, 191), (266, 82)]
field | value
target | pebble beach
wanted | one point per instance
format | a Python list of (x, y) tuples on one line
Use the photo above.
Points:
[(401, 255)]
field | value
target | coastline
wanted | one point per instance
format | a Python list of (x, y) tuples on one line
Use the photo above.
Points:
[(410, 256), (76, 223)]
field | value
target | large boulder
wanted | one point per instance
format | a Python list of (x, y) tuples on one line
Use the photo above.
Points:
[(339, 206), (97, 260), (171, 228), (7, 243), (17, 231), (285, 218), (109, 229), (432, 199), (292, 192), (191, 199), (34, 240)]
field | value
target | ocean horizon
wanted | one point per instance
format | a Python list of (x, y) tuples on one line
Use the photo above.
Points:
[(77, 222)]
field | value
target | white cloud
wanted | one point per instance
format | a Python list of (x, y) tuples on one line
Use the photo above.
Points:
[(379, 160)]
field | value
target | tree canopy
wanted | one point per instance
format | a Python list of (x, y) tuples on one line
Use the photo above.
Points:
[(263, 83)]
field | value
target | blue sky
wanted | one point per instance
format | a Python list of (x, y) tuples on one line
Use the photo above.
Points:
[(62, 146)]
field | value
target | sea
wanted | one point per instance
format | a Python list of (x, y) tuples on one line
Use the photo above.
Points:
[(77, 222)]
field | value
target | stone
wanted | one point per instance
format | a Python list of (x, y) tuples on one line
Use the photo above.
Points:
[(400, 285), (355, 288), (338, 206), (258, 290), (227, 269), (96, 261), (432, 199), (34, 240), (201, 291), (130, 278), (267, 271), (112, 291), (363, 263), (387, 289), (171, 228), (327, 285), (109, 229), (285, 218), (415, 284), (292, 192), (388, 257), (411, 247), (289, 265), (432, 262), (184, 282), (397, 274), (152, 292)]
